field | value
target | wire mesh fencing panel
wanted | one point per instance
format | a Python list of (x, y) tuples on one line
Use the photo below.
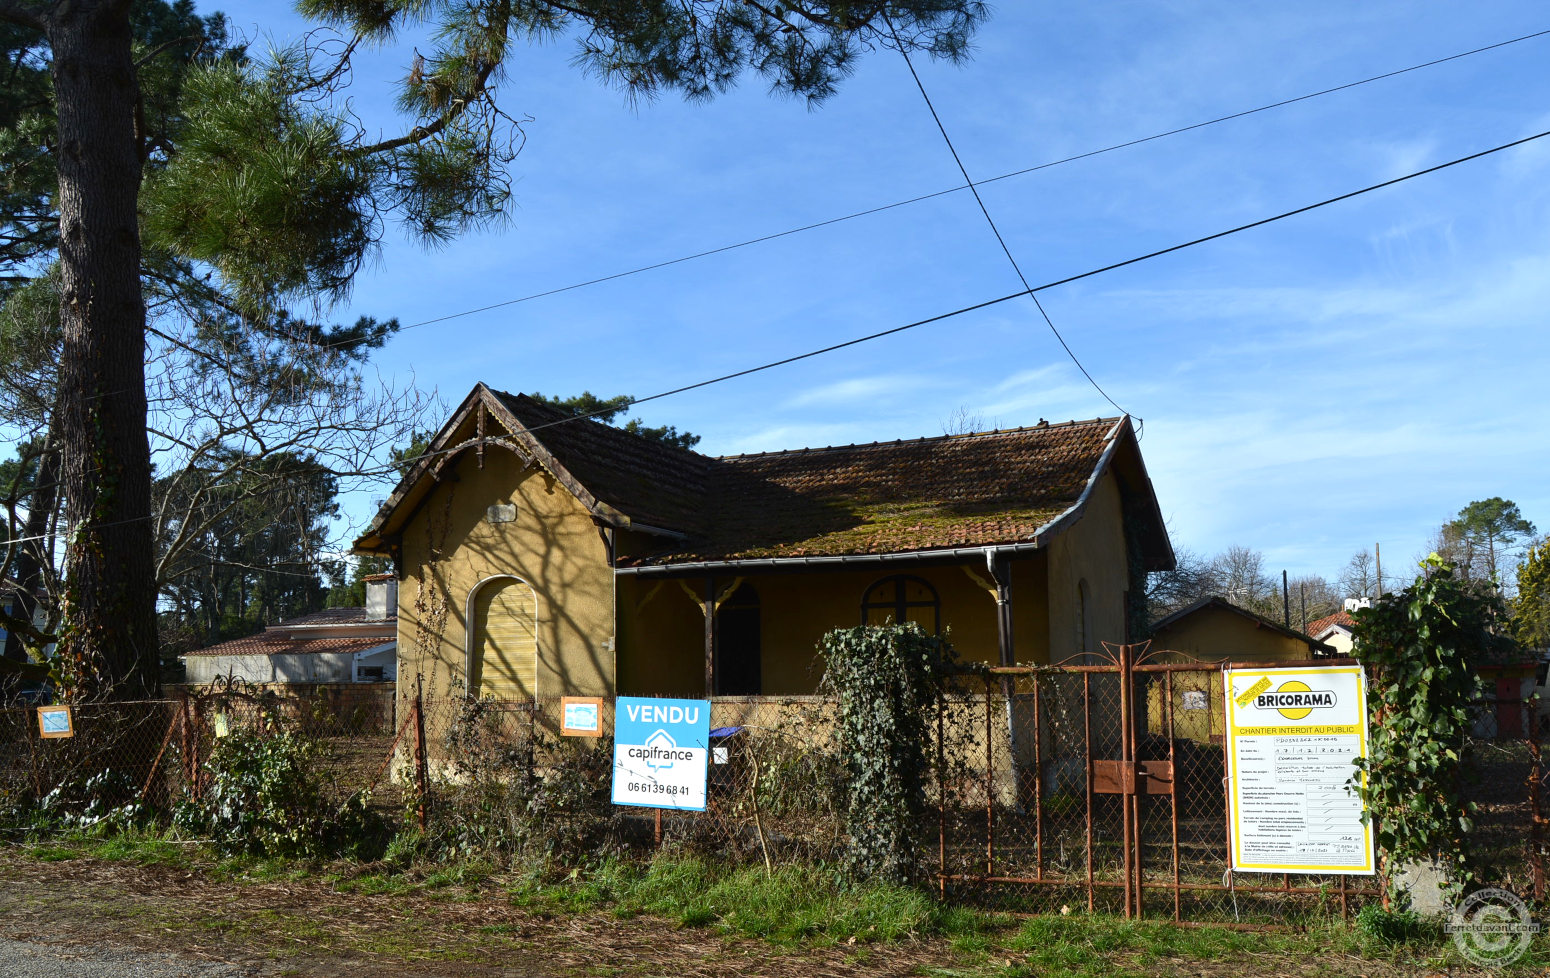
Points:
[(1024, 825), (1185, 838), (1503, 775), (1102, 786), (502, 777), (115, 756), (349, 731)]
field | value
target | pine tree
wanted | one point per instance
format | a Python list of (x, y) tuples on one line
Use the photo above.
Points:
[(1531, 606), (262, 175)]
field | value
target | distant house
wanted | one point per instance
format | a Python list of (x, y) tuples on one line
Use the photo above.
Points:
[(541, 555), (1337, 630), (338, 645), (1214, 629)]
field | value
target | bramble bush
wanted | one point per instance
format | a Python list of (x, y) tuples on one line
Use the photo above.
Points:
[(520, 792), (264, 797)]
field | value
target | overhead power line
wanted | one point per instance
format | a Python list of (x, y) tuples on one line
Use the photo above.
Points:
[(1060, 281), (952, 314), (761, 239), (969, 181)]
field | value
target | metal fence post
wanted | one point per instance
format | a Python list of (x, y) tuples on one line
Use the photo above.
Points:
[(990, 786), (422, 780), (941, 791), (1536, 776)]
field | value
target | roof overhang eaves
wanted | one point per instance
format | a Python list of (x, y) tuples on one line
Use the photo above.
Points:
[(1168, 560), (545, 458), (937, 555), (376, 650), (374, 539)]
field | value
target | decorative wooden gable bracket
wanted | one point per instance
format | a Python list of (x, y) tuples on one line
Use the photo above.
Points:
[(478, 444), (714, 605), (479, 450)]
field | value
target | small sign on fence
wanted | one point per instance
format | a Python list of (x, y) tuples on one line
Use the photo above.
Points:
[(1292, 735), (55, 721), (581, 716), (660, 751)]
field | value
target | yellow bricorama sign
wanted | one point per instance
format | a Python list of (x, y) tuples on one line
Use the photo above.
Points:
[(1292, 737)]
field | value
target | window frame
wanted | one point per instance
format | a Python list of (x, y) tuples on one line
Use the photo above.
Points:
[(901, 604)]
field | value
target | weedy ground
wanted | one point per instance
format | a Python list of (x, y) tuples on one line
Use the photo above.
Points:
[(678, 916)]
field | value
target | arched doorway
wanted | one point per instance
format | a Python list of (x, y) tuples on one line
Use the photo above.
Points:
[(503, 640)]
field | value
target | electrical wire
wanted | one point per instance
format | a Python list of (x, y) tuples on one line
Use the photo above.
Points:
[(962, 310), (601, 279), (761, 239), (992, 221)]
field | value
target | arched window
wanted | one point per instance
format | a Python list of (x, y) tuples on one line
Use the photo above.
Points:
[(902, 598), (738, 667), (502, 640)]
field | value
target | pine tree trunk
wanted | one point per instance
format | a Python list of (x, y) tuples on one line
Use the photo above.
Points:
[(109, 644)]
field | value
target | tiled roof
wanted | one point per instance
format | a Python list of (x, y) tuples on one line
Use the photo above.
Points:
[(1341, 618), (972, 490), (889, 497), (271, 642), (883, 497), (649, 481)]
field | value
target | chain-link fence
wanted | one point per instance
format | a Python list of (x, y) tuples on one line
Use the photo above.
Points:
[(153, 755), (1071, 787), (1103, 786)]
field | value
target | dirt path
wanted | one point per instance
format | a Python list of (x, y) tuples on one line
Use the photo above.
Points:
[(82, 915), (304, 928)]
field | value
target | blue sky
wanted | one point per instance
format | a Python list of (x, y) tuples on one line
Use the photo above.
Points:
[(1349, 376)]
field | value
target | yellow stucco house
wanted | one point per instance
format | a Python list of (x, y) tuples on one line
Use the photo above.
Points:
[(1214, 629), (541, 556)]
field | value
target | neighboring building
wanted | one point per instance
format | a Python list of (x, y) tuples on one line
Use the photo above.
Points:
[(544, 556), (1214, 629), (339, 645), (1336, 630)]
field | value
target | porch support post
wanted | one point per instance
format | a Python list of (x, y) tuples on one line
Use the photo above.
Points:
[(710, 636), (1000, 568)]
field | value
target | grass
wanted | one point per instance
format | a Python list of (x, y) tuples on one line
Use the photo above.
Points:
[(794, 906), (797, 907)]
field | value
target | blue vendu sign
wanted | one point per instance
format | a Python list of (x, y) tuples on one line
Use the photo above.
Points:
[(660, 751)]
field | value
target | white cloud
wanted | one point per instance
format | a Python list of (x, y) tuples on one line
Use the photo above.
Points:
[(857, 390)]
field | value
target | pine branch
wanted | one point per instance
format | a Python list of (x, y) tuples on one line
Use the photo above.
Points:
[(25, 14), (420, 134)]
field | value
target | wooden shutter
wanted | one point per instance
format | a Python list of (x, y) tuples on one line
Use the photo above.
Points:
[(506, 640)]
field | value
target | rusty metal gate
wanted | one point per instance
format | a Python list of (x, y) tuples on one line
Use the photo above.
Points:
[(1100, 786)]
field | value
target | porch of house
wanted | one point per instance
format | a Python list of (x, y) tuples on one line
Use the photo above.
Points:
[(756, 634)]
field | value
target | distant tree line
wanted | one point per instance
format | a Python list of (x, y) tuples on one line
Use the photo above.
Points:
[(1490, 546)]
